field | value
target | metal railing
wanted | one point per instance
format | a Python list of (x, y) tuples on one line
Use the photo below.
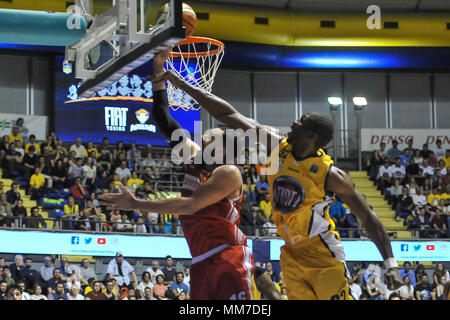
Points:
[(175, 229)]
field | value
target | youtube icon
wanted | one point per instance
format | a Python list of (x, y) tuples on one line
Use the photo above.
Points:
[(430, 247)]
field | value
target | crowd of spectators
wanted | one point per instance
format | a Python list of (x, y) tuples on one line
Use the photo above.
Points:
[(416, 183), (20, 281), (367, 283)]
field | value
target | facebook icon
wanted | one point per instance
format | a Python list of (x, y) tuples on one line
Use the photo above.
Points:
[(75, 240), (404, 247)]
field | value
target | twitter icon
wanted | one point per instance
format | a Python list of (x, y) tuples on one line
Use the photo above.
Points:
[(417, 247)]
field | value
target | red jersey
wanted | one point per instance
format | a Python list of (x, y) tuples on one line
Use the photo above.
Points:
[(214, 227)]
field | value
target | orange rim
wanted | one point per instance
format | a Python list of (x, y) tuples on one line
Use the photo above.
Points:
[(219, 44)]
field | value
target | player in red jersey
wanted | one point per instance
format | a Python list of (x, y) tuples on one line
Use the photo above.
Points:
[(209, 208)]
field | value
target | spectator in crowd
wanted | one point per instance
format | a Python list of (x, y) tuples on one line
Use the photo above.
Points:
[(140, 227), (13, 293), (405, 158), (3, 287), (178, 286), (119, 269), (133, 155), (35, 219), (394, 152), (37, 293), (404, 205), (124, 224), (123, 170), (74, 293), (398, 170), (79, 192), (169, 271), (21, 285), (428, 170), (46, 270), (134, 182), (16, 267), (75, 170), (5, 211), (249, 190), (439, 224), (262, 188), (440, 272), (33, 143), (15, 135), (58, 293), (54, 281), (86, 272), (59, 175), (406, 271), (272, 274), (148, 294), (154, 271), (387, 293), (78, 148), (438, 151), (269, 227), (442, 167), (13, 164), (21, 129), (101, 184), (395, 192), (71, 212), (187, 276), (160, 289), (68, 272), (266, 206), (30, 159), (109, 293), (433, 198), (419, 272), (374, 163), (84, 221), (90, 286), (373, 288), (91, 148), (406, 291), (96, 293), (89, 172), (29, 275), (13, 195), (6, 276), (419, 198), (37, 184), (383, 180), (145, 283), (425, 290)]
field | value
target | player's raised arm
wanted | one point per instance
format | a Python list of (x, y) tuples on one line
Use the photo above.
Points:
[(225, 181), (165, 122), (340, 184), (221, 109)]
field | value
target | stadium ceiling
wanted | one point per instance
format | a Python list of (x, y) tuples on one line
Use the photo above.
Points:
[(340, 5)]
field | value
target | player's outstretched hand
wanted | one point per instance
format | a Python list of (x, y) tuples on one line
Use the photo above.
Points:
[(393, 279), (122, 201), (169, 76)]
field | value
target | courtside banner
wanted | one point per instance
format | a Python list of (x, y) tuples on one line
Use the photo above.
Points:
[(356, 250), (36, 125), (371, 138), (37, 242)]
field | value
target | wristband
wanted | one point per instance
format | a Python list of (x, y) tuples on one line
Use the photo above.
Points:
[(390, 263)]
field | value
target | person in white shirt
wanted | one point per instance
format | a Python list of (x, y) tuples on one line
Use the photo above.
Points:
[(78, 148), (384, 175), (89, 172), (120, 269), (427, 170), (123, 171), (406, 291), (37, 295), (439, 152), (187, 276), (46, 270), (74, 293), (146, 282), (270, 228), (419, 198), (417, 157), (398, 170), (154, 271), (441, 166), (25, 295), (140, 227)]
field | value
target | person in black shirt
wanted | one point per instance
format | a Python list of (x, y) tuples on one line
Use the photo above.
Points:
[(13, 195), (425, 290), (59, 175), (404, 205), (30, 159), (35, 219), (20, 212), (425, 152), (101, 183), (13, 161), (30, 276), (169, 271)]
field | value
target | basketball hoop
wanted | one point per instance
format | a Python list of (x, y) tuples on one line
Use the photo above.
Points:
[(196, 60)]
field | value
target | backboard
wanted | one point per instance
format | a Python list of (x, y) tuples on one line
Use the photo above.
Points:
[(119, 39)]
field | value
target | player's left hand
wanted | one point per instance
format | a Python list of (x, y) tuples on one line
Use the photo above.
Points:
[(121, 201), (393, 279)]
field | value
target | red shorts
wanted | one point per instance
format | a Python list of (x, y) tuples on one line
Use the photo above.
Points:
[(226, 275)]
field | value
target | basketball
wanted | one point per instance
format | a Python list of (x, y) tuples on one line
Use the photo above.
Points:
[(189, 18)]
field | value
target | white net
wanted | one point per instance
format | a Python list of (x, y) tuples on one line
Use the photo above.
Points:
[(195, 60)]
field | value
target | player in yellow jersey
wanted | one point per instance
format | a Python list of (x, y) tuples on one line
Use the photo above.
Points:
[(312, 259)]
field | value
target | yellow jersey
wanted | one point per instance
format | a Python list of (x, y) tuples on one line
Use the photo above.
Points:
[(300, 201), (37, 181)]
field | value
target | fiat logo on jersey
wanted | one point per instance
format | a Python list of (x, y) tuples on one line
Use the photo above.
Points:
[(288, 194)]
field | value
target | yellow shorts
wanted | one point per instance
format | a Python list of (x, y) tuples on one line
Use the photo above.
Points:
[(315, 270)]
